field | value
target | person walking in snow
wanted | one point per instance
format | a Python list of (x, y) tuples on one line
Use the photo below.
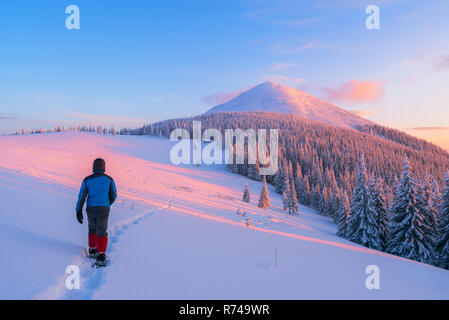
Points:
[(100, 191)]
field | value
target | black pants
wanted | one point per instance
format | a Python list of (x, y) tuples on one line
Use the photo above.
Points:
[(97, 218)]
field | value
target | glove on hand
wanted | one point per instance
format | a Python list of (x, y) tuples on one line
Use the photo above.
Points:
[(79, 217)]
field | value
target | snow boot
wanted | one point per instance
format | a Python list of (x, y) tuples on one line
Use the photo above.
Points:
[(101, 260), (102, 243), (92, 253)]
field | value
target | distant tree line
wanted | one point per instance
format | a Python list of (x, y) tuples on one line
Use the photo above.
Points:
[(79, 128)]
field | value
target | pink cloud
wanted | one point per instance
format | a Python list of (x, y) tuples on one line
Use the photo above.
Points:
[(7, 116), (442, 63), (357, 91), (281, 49), (430, 128), (221, 97)]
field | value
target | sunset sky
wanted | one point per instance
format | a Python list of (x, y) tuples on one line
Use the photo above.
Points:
[(133, 62)]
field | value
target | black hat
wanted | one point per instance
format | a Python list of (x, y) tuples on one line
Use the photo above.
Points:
[(99, 165)]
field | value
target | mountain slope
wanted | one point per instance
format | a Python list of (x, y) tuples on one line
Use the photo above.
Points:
[(273, 97), (174, 232)]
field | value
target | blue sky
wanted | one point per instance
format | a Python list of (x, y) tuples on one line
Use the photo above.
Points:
[(133, 62)]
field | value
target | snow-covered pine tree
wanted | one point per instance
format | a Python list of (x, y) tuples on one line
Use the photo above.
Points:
[(246, 195), (329, 179), (343, 215), (316, 176), (443, 225), (233, 166), (362, 225), (286, 196), (346, 182), (303, 193), (298, 180), (377, 192), (388, 191), (253, 171), (436, 195), (292, 199), (407, 228), (323, 204), (431, 213), (290, 170), (281, 178), (286, 184), (264, 199), (279, 181), (334, 201), (315, 197), (284, 201), (298, 175)]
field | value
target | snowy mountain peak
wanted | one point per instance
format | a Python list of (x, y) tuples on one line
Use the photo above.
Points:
[(274, 97)]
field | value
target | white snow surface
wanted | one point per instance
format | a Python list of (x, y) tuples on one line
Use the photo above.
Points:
[(174, 232), (273, 97)]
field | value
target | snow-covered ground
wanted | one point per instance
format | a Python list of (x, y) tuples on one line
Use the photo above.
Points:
[(174, 232)]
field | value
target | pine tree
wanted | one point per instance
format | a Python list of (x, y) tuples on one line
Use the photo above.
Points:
[(343, 215), (298, 174), (377, 192), (292, 200), (388, 191), (264, 199), (436, 195), (443, 225), (253, 171), (284, 201), (279, 180), (282, 177), (234, 168), (334, 202), (323, 204), (298, 180), (362, 225), (315, 197), (303, 194), (285, 185), (246, 195), (431, 212), (407, 228), (286, 196)]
